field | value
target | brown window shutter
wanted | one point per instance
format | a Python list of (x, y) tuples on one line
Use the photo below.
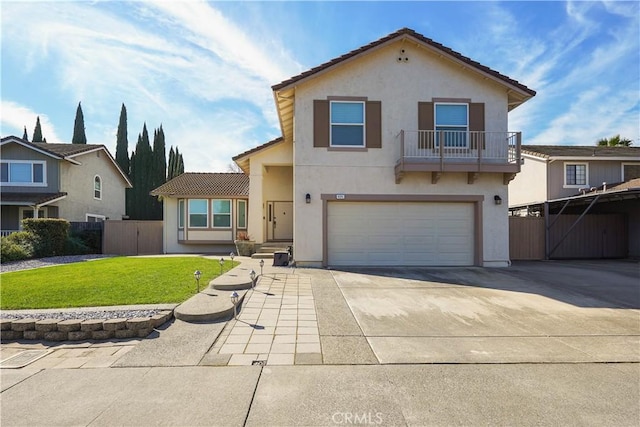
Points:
[(320, 123), (374, 124), (425, 122), (476, 123)]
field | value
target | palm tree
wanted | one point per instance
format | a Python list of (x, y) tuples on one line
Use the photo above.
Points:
[(614, 141)]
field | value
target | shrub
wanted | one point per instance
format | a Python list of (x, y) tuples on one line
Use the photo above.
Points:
[(16, 246), (50, 235), (75, 246), (92, 239)]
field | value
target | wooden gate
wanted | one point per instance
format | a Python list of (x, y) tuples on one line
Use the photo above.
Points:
[(132, 237), (526, 238)]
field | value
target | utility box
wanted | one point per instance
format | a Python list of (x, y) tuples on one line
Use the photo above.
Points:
[(281, 259)]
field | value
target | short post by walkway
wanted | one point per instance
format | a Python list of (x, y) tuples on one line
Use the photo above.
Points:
[(252, 275), (234, 301), (221, 264), (261, 265), (197, 275)]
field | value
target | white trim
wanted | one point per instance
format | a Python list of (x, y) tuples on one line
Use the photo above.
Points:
[(464, 128), (25, 184), (94, 187), (364, 124), (622, 165), (96, 216), (244, 227), (230, 214), (30, 146), (564, 174), (21, 211), (183, 212), (189, 214)]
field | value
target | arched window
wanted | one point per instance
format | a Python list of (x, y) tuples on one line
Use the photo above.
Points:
[(97, 188)]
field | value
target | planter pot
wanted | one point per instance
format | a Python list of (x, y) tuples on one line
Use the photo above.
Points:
[(245, 247)]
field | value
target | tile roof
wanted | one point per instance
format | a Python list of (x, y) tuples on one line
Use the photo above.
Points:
[(29, 198), (66, 150), (420, 37), (206, 185), (547, 151)]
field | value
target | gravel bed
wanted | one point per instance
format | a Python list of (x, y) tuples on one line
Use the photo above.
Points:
[(80, 315), (47, 262)]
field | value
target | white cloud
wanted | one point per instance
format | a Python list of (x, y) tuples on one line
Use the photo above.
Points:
[(15, 117)]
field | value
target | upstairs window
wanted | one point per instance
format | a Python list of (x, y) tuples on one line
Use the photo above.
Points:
[(221, 213), (453, 121), (347, 124), (23, 173), (575, 174), (97, 187)]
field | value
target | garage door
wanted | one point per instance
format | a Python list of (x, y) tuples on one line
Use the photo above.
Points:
[(402, 234)]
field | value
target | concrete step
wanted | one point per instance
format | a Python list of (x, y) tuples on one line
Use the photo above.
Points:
[(262, 255), (207, 307)]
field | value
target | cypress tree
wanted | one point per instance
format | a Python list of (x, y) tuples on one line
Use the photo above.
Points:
[(37, 132), (172, 163), (141, 167), (24, 135), (122, 142), (79, 137), (158, 171)]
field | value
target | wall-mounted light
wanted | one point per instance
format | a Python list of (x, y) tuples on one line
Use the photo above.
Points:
[(497, 199), (307, 198)]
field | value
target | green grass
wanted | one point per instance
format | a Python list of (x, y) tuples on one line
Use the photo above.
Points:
[(109, 281)]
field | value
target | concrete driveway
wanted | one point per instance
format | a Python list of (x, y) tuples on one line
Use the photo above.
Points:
[(533, 312)]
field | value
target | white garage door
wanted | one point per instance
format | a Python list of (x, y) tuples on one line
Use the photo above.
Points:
[(402, 234)]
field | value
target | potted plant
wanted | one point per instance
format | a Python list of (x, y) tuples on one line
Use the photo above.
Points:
[(244, 245)]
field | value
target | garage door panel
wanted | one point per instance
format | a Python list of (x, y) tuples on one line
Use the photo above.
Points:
[(400, 234)]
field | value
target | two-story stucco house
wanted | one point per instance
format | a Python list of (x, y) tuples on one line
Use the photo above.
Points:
[(396, 153), (77, 182)]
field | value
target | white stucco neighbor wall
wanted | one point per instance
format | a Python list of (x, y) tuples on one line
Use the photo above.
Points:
[(399, 86), (530, 185), (77, 182)]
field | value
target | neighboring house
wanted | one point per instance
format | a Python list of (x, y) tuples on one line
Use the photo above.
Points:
[(203, 212), (596, 189), (550, 172), (77, 182), (397, 153)]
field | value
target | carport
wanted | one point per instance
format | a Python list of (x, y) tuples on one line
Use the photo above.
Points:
[(596, 224)]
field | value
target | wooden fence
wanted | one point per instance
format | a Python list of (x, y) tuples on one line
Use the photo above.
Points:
[(594, 236), (132, 237)]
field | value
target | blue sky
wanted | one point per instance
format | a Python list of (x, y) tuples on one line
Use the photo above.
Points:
[(204, 70)]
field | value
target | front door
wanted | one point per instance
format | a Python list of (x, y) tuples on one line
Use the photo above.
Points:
[(280, 221)]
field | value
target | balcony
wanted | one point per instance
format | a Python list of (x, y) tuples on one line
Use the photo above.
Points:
[(460, 151)]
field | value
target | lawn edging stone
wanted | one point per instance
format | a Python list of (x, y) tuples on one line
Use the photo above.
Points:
[(79, 330)]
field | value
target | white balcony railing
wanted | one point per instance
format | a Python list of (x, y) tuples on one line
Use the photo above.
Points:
[(5, 233), (460, 146)]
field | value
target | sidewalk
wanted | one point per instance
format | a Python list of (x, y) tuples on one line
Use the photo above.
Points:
[(172, 379)]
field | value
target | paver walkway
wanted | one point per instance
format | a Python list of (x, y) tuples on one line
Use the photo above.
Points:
[(277, 325)]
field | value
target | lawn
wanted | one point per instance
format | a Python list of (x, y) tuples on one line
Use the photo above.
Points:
[(108, 281)]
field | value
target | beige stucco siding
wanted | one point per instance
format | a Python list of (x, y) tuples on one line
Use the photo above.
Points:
[(271, 179), (399, 87), (77, 182), (530, 185)]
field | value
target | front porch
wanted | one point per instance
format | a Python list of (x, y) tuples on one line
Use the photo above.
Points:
[(460, 151)]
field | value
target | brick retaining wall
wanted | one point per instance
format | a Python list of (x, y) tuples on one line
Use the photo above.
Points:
[(80, 330)]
